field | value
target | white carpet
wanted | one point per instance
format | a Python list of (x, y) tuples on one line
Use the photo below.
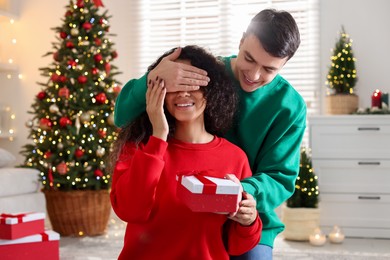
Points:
[(108, 246)]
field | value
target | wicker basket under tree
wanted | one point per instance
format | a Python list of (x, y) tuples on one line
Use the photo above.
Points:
[(72, 128), (301, 214), (342, 78)]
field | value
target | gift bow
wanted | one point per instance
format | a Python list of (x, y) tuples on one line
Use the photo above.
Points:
[(209, 187), (4, 216)]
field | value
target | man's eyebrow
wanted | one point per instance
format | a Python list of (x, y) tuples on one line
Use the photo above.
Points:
[(266, 67)]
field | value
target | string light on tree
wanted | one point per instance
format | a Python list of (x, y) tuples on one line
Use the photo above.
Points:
[(342, 75), (306, 186), (73, 107)]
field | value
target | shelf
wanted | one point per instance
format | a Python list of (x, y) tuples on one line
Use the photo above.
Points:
[(6, 67)]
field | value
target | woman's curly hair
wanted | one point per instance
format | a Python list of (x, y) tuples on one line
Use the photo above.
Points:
[(221, 100)]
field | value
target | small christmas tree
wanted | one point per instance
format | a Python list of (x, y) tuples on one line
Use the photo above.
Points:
[(342, 76), (306, 186), (72, 128)]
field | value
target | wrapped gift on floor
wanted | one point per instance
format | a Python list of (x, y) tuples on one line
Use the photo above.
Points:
[(43, 246), (13, 226), (208, 194)]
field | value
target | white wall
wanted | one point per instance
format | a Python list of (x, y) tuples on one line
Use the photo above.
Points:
[(366, 21)]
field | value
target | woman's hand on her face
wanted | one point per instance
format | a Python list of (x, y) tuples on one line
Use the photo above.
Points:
[(178, 76), (155, 96)]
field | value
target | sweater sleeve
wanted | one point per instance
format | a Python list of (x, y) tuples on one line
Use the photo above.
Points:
[(277, 165), (240, 239), (136, 176), (131, 101)]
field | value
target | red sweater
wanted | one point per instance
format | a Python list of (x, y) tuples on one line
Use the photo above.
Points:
[(159, 226)]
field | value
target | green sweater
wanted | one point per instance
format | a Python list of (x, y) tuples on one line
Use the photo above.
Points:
[(269, 127)]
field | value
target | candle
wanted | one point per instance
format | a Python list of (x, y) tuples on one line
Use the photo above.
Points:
[(317, 238), (376, 99), (336, 236)]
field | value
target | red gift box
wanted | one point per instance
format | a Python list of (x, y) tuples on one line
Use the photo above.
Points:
[(208, 194), (43, 246), (13, 226)]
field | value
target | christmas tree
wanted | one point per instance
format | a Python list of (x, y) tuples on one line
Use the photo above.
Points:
[(306, 186), (342, 76), (72, 126)]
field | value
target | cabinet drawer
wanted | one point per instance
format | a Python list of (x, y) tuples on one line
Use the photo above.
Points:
[(353, 210), (350, 141), (353, 176)]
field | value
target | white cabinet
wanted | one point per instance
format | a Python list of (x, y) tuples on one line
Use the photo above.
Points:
[(351, 156)]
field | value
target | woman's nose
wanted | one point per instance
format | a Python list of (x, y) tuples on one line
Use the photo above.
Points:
[(183, 93)]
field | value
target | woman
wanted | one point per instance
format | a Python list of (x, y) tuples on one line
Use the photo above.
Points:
[(179, 132)]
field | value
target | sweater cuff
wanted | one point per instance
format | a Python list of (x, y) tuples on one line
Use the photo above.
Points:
[(246, 231), (156, 146)]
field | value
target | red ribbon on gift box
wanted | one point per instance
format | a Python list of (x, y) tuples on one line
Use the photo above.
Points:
[(209, 187), (45, 237), (3, 217)]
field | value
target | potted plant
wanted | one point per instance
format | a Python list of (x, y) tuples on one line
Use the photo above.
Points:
[(301, 213), (72, 128), (342, 78)]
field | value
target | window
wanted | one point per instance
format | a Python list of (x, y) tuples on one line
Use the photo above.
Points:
[(218, 25)]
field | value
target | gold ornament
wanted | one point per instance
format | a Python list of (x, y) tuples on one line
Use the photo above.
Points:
[(54, 109), (100, 152), (74, 31), (110, 119), (85, 117), (29, 124)]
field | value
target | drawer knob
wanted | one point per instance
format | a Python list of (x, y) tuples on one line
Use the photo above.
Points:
[(369, 197), (369, 128)]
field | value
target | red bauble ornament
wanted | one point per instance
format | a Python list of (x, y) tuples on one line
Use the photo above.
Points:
[(98, 57), (68, 13), (69, 45), (79, 153), (64, 121), (101, 98), (41, 95), (95, 71), (114, 54), (45, 124), (98, 42), (63, 92), (102, 133), (72, 63), (80, 3), (98, 173), (47, 155), (63, 35), (62, 168), (98, 3), (55, 77), (107, 68), (82, 79), (102, 21), (87, 26), (116, 90), (56, 56), (62, 78)]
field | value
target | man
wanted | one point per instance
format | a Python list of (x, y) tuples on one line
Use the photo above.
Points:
[(271, 117)]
